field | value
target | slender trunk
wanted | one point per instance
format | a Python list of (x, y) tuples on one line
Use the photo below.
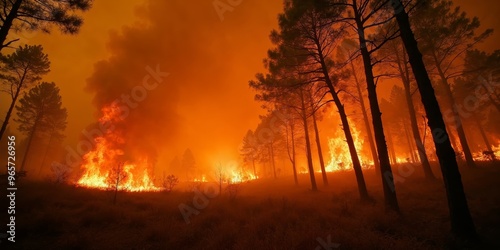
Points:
[(356, 165), (410, 144), (405, 75), (7, 23), (369, 134), (9, 112), (390, 198), (45, 155), (483, 133), (453, 140), (318, 144), (391, 147), (28, 147), (457, 121), (291, 155), (461, 220), (294, 157), (308, 143), (271, 148)]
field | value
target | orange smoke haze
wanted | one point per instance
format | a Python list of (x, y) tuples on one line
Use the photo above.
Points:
[(204, 103)]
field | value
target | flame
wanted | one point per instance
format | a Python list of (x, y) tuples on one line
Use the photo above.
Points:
[(241, 176), (340, 158), (480, 156), (104, 167), (202, 179), (231, 174)]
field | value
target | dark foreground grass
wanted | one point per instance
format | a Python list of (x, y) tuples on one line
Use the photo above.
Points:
[(266, 214)]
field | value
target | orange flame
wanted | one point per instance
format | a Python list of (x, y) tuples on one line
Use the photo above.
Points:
[(481, 156), (340, 158), (104, 168)]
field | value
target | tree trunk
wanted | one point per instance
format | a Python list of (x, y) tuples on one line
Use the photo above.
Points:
[(461, 220), (271, 148), (28, 147), (7, 23), (390, 198), (391, 148), (373, 150), (483, 133), (308, 143), (294, 157), (318, 143), (356, 165), (9, 112), (457, 121), (45, 154), (405, 76), (410, 144)]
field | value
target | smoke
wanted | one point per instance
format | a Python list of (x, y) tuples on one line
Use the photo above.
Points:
[(202, 100)]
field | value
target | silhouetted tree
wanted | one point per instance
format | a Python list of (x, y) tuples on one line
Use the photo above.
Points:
[(249, 149), (306, 34), (40, 15), (18, 71), (446, 33), (343, 55), (461, 220), (40, 111), (363, 16)]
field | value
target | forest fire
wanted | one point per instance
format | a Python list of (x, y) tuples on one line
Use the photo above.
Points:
[(340, 158), (488, 155), (105, 167), (241, 176), (233, 176)]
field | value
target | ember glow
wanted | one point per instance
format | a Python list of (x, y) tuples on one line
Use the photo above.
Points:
[(340, 158), (105, 166)]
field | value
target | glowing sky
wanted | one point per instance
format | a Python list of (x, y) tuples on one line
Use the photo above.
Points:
[(205, 103)]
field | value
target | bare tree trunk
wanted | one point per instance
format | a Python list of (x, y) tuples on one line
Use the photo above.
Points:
[(308, 143), (9, 112), (391, 147), (457, 121), (45, 154), (410, 144), (483, 133), (461, 220), (294, 157), (390, 198), (368, 128), (271, 150), (318, 143), (28, 147), (356, 165), (422, 154)]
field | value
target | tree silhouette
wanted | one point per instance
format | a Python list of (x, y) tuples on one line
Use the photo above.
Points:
[(446, 33), (461, 220), (306, 40), (40, 15), (18, 71), (40, 111), (249, 149)]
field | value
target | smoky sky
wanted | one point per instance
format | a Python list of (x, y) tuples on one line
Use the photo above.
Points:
[(204, 103)]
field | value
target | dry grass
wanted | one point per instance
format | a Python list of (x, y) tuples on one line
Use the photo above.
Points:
[(266, 214)]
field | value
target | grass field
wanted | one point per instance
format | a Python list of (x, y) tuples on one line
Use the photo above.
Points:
[(266, 214)]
